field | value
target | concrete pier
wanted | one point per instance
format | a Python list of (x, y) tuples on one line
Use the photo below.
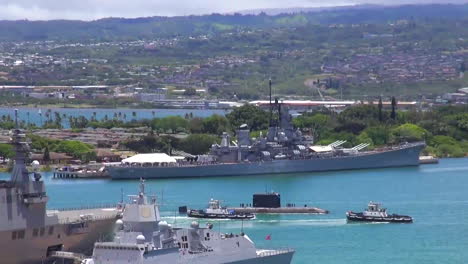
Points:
[(428, 160), (82, 174)]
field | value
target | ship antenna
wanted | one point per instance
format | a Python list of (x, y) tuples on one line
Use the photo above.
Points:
[(142, 186), (279, 111), (162, 197), (16, 118), (271, 106), (242, 226)]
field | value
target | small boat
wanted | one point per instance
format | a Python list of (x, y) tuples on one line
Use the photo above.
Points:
[(374, 213), (216, 211)]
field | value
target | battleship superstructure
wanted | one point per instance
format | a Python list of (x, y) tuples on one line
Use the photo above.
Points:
[(141, 237), (29, 233), (283, 150)]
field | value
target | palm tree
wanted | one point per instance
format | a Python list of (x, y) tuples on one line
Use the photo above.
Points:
[(380, 109), (394, 106)]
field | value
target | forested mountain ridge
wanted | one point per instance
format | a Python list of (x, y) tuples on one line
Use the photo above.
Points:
[(110, 29)]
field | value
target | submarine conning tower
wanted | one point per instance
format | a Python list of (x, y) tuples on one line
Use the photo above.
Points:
[(267, 200)]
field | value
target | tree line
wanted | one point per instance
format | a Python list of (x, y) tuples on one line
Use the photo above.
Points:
[(445, 129)]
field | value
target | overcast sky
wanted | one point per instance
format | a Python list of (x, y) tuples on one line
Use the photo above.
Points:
[(94, 9)]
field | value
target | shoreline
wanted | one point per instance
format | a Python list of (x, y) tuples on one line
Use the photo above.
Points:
[(104, 107)]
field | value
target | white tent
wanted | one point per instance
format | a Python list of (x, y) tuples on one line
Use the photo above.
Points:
[(152, 158), (319, 149)]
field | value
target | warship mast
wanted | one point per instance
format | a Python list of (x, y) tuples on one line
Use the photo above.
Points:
[(20, 174)]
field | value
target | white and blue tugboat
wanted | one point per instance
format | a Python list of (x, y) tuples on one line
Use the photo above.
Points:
[(216, 211), (375, 213)]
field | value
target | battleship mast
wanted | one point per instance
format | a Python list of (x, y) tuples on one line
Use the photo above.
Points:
[(271, 106)]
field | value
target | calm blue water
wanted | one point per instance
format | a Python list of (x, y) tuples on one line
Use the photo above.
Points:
[(36, 118), (435, 195)]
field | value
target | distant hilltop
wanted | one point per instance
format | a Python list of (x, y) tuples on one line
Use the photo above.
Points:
[(110, 29), (296, 10)]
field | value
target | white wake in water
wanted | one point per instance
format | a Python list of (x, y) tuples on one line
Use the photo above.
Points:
[(427, 170), (304, 222), (180, 220)]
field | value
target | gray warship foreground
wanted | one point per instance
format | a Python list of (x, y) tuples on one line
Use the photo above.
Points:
[(283, 150), (142, 238), (31, 234)]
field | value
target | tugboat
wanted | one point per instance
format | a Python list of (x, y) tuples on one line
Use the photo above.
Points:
[(375, 213), (216, 211)]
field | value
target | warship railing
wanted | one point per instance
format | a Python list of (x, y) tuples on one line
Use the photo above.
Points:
[(78, 219), (274, 252), (67, 255), (85, 207)]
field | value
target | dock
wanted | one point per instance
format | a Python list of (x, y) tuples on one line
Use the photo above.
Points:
[(428, 160), (79, 175), (89, 171), (280, 210)]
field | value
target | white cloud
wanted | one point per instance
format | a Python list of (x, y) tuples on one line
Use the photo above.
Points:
[(94, 9)]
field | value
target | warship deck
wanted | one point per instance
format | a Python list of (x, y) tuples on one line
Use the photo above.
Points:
[(69, 216)]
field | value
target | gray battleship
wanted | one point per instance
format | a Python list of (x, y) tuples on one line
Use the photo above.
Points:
[(283, 150), (31, 234), (141, 237)]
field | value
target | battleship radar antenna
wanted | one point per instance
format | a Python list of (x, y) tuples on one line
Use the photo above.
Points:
[(271, 107), (16, 118)]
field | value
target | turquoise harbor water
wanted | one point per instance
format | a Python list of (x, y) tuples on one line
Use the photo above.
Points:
[(435, 195), (32, 115)]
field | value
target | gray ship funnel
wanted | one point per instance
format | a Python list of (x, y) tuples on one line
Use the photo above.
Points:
[(225, 141), (243, 135)]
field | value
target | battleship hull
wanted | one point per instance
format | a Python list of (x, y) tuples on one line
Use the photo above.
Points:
[(37, 249), (398, 157)]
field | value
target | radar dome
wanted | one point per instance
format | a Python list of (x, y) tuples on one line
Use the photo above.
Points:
[(163, 225), (119, 224), (194, 224), (35, 164), (140, 239)]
